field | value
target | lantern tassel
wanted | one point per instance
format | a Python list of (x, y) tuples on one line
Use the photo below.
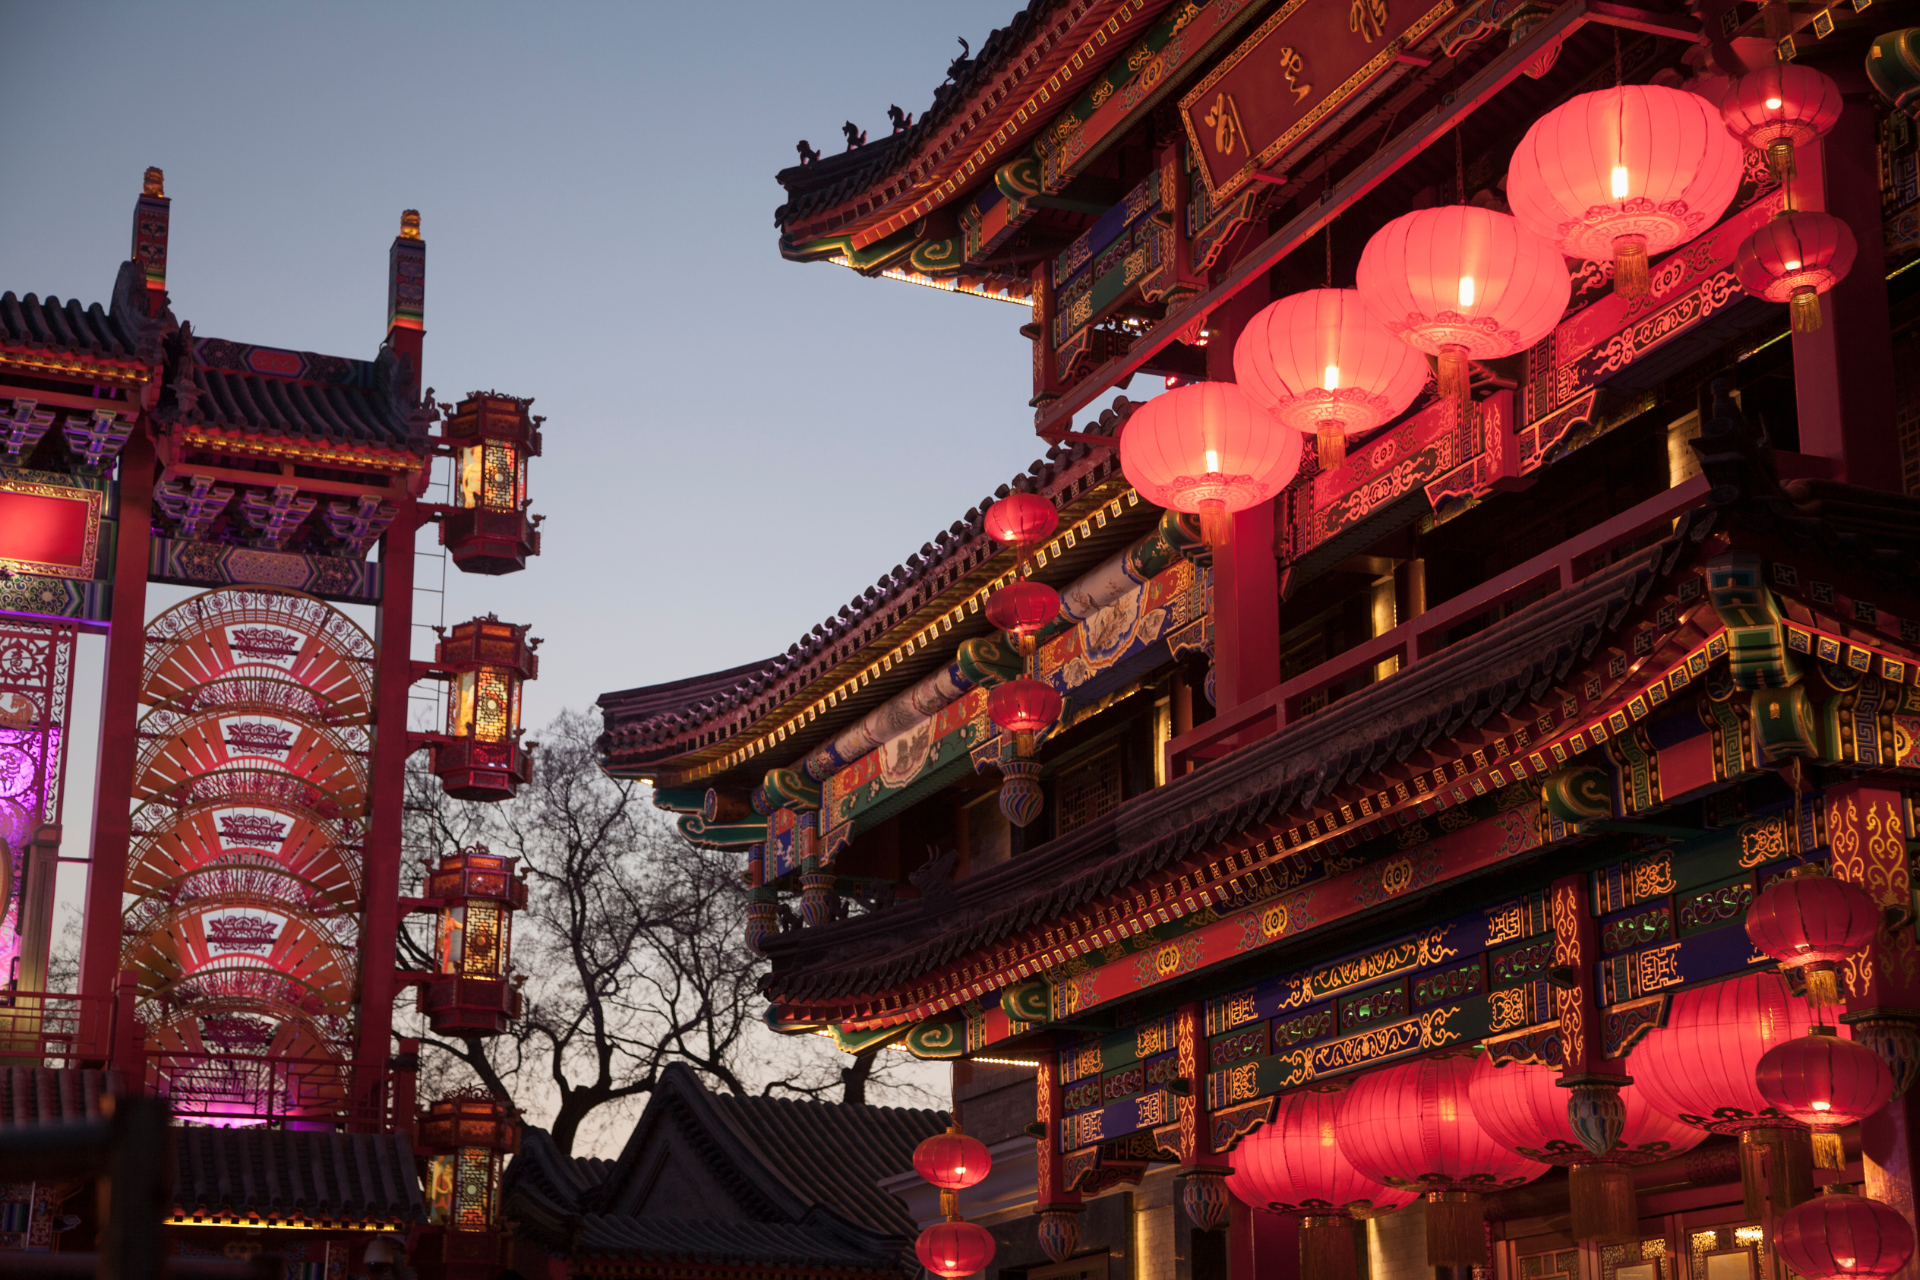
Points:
[(1805, 311), (1216, 523), (1604, 1209), (1630, 279), (1827, 1151), (1780, 158), (1327, 1248), (1454, 378), (1456, 1230), (1333, 446), (1823, 985), (1787, 1178)]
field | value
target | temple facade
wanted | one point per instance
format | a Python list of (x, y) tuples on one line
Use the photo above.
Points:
[(1383, 839)]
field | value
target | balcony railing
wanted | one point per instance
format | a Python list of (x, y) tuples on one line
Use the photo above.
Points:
[(1419, 639)]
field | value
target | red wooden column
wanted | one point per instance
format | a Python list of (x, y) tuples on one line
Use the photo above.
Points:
[(119, 740), (1868, 827), (1842, 391), (380, 916)]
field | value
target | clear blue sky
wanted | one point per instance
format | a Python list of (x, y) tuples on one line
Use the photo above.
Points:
[(736, 445)]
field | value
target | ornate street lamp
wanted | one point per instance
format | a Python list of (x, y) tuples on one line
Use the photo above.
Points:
[(488, 530), (474, 894), (485, 661)]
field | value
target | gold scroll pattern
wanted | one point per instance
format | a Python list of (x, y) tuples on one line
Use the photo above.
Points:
[(1188, 1022), (1566, 951), (1869, 849)]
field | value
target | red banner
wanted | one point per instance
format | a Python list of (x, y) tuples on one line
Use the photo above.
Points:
[(48, 529)]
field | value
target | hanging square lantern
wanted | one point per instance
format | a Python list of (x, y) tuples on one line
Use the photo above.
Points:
[(488, 530), (469, 992), (486, 660), (468, 1135)]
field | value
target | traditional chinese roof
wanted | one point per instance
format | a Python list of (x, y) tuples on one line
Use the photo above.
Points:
[(729, 1181), (63, 327), (697, 717), (118, 344), (277, 1175), (54, 1095), (232, 387)]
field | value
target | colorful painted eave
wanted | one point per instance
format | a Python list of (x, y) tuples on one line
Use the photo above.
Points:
[(363, 455), (1076, 40)]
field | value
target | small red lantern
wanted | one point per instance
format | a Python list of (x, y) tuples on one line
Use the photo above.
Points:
[(1208, 449), (1023, 607), (1320, 362), (1794, 258), (486, 661), (1624, 173), (1463, 283), (1845, 1237), (477, 893), (954, 1249), (1293, 1166), (1779, 107), (1021, 519), (488, 530), (1813, 922), (1023, 707), (952, 1161), (1826, 1083)]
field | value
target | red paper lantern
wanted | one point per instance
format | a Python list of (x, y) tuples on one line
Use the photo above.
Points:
[(952, 1161), (1413, 1126), (1699, 1068), (1624, 173), (1813, 922), (1321, 362), (1835, 1235), (1023, 707), (1023, 607), (1523, 1108), (1209, 450), (1779, 107), (1794, 258), (1463, 283), (1826, 1083), (1021, 519), (954, 1249)]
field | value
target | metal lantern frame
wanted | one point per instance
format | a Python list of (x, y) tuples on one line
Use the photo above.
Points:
[(484, 661), (487, 529), (473, 894)]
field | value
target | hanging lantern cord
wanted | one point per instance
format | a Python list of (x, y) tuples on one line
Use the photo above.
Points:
[(1459, 165), (1619, 75)]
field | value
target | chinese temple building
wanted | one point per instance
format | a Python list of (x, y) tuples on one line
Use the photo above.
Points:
[(1427, 788), (244, 882)]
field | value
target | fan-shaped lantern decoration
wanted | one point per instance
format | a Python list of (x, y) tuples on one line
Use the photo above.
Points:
[(1022, 608), (1794, 258), (952, 1161), (1826, 1083), (1699, 1069), (1023, 707), (1207, 448), (954, 1249), (1812, 922), (1413, 1126), (485, 661), (487, 529), (1320, 362), (1624, 173), (1463, 283), (1021, 519), (1293, 1166), (476, 892), (1845, 1237), (1781, 106), (1523, 1108)]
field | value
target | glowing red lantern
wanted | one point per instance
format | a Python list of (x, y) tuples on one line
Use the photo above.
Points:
[(954, 1249), (1021, 519), (1210, 450), (952, 1161), (1321, 362), (1413, 1126), (487, 530), (1779, 107), (1623, 173), (1813, 922), (1023, 707), (1523, 1108), (1826, 1083), (1794, 258), (1293, 1166), (1699, 1068), (1836, 1236), (1463, 283), (1023, 607)]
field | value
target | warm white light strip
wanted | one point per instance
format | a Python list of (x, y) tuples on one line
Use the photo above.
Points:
[(929, 282)]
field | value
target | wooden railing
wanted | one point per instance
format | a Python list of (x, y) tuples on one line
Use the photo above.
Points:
[(1420, 638)]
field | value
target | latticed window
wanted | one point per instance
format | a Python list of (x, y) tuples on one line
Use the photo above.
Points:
[(482, 705), (493, 475), (1087, 791)]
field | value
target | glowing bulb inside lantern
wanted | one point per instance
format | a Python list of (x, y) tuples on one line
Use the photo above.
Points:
[(1619, 182), (1466, 291), (1794, 265), (1213, 461), (1333, 377), (1773, 104), (960, 1170), (1823, 1106)]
